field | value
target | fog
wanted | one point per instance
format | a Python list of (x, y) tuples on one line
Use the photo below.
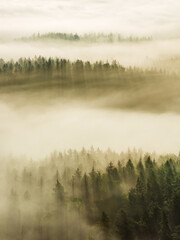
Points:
[(38, 133), (157, 18), (161, 54), (137, 114), (89, 119)]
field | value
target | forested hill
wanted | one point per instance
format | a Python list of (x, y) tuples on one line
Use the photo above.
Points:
[(117, 86), (91, 37), (91, 195)]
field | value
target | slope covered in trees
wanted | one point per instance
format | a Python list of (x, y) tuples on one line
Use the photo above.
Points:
[(91, 195), (115, 86)]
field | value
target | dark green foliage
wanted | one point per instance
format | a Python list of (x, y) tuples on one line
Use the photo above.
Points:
[(175, 202), (105, 225), (130, 172), (165, 233), (127, 200), (124, 227)]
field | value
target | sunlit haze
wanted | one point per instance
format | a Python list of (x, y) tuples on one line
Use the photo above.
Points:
[(138, 17)]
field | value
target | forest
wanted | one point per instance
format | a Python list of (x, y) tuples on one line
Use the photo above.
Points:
[(89, 120), (108, 84), (88, 38), (91, 194)]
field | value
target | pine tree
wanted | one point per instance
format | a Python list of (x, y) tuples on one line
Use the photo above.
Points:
[(165, 233), (123, 226), (59, 191)]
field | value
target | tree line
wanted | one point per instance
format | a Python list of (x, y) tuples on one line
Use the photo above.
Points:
[(80, 71), (88, 37), (132, 87), (92, 195)]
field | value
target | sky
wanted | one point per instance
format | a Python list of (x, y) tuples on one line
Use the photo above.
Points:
[(157, 18)]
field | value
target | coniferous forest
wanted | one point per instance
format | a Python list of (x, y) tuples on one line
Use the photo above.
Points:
[(88, 194), (113, 85), (89, 120), (92, 194)]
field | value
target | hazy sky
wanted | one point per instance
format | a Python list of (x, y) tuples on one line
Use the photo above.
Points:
[(143, 17)]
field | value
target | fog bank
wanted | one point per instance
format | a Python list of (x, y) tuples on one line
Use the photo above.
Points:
[(37, 133)]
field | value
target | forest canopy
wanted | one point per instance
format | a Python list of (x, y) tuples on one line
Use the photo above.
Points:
[(91, 194)]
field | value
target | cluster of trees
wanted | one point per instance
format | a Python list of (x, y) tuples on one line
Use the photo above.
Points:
[(47, 64), (53, 36), (79, 70), (89, 38), (92, 195), (131, 87)]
